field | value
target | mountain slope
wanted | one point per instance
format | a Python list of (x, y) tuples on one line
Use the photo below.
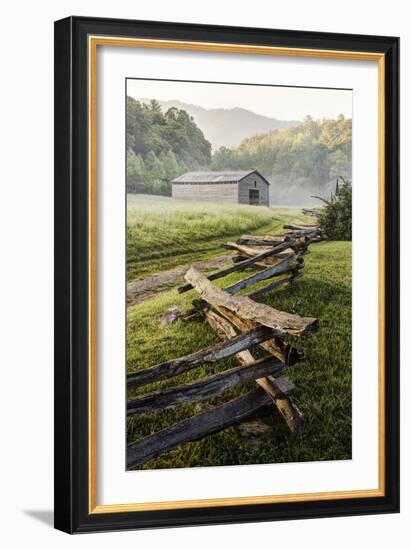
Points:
[(227, 127)]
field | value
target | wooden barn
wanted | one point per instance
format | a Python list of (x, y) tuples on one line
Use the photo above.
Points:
[(242, 187)]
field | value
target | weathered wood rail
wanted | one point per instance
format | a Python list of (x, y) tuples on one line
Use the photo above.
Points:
[(314, 212), (213, 353), (241, 265), (277, 388), (248, 310), (240, 323), (196, 427), (205, 389)]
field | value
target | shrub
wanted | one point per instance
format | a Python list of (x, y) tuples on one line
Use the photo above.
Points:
[(336, 216)]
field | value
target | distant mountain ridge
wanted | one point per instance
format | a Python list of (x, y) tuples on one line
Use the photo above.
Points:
[(227, 127)]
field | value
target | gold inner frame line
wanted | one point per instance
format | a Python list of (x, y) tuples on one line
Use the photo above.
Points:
[(93, 43)]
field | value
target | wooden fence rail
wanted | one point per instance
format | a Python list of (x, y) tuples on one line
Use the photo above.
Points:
[(275, 388), (314, 212), (205, 389), (247, 309), (174, 367), (239, 266), (240, 323), (288, 264), (196, 427)]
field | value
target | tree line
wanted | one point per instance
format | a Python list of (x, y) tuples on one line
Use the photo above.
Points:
[(298, 161), (161, 146)]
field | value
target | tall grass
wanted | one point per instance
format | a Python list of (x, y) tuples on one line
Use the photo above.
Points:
[(163, 232), (159, 227), (323, 380)]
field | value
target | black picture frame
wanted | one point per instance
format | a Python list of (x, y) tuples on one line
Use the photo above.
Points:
[(72, 513)]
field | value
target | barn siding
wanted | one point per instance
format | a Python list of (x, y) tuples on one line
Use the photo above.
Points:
[(212, 192), (249, 183)]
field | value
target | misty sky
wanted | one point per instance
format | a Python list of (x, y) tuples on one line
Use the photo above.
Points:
[(277, 102)]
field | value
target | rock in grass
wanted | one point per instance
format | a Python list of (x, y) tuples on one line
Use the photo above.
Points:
[(251, 433), (170, 316)]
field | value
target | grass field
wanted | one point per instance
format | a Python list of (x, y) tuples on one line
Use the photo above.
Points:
[(163, 233), (323, 380)]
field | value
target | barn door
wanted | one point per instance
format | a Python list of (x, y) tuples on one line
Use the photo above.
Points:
[(254, 196)]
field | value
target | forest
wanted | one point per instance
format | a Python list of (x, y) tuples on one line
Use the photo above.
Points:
[(299, 161), (161, 146)]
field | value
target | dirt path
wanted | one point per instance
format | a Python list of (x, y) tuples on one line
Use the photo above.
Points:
[(144, 289)]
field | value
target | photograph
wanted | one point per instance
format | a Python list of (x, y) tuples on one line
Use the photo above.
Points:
[(239, 274), (227, 274)]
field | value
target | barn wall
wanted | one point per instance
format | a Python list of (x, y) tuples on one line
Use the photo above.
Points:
[(208, 192), (249, 183)]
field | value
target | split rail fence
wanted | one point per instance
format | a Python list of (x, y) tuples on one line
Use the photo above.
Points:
[(315, 212), (240, 322)]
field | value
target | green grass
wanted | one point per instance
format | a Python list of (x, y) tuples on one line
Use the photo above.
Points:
[(163, 233), (323, 380)]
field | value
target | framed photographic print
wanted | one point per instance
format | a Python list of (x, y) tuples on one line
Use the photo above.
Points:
[(226, 274)]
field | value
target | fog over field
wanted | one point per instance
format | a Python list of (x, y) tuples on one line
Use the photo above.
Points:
[(300, 139)]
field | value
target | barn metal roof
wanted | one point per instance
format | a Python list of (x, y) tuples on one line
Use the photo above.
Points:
[(215, 177)]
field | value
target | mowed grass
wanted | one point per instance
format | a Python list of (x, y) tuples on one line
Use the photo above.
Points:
[(163, 233), (323, 380)]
